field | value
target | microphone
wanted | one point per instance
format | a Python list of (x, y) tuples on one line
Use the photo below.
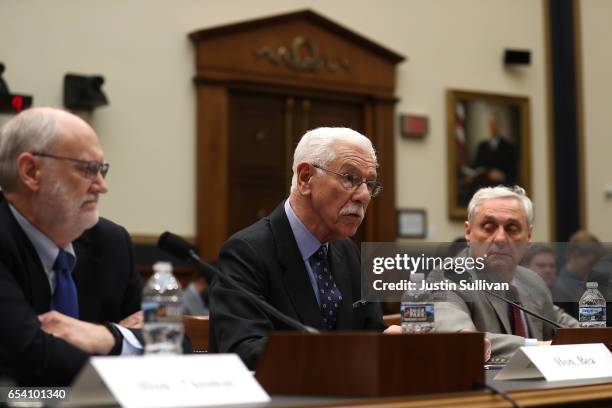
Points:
[(177, 246), (455, 277), (180, 248)]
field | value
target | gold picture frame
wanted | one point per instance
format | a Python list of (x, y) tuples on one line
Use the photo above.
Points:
[(488, 144)]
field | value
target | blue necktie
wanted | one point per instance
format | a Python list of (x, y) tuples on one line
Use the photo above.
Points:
[(65, 299), (329, 295)]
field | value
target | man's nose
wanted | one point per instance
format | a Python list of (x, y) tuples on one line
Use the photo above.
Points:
[(99, 184), (362, 194), (500, 234)]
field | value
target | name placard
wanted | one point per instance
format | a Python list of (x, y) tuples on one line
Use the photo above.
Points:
[(556, 363), (166, 381)]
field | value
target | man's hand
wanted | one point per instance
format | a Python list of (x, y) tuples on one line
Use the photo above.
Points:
[(89, 337), (393, 329), (133, 321), (544, 342), (487, 349)]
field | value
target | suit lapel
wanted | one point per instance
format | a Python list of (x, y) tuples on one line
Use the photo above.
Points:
[(84, 277), (501, 309), (530, 302), (36, 282), (295, 277)]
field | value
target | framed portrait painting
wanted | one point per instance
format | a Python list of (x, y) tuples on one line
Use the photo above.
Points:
[(488, 145)]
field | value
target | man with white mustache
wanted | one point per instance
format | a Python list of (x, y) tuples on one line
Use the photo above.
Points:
[(300, 258), (67, 276)]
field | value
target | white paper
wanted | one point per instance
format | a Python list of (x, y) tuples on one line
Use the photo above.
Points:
[(178, 381), (519, 367), (556, 363)]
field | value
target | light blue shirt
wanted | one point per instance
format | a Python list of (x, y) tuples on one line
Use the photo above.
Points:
[(307, 243), (47, 253), (193, 304)]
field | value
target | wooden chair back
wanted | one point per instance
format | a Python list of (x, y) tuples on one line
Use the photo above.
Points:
[(196, 328)]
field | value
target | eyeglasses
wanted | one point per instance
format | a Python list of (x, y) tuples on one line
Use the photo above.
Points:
[(352, 182), (90, 169)]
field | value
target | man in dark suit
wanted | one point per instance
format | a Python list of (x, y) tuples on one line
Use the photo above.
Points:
[(66, 276), (299, 259)]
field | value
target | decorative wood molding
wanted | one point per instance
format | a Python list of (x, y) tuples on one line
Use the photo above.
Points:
[(303, 55)]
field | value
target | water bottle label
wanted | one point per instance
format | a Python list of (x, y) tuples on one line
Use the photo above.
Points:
[(417, 312), (592, 314), (162, 312)]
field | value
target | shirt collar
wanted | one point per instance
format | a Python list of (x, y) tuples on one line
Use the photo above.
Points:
[(494, 142), (307, 243), (45, 248)]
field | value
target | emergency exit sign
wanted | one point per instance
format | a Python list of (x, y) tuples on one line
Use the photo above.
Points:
[(14, 103)]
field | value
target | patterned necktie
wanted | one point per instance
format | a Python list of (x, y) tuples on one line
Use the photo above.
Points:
[(517, 318), (65, 299), (329, 294)]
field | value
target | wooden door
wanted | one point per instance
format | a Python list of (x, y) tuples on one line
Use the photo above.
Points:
[(257, 156), (264, 129)]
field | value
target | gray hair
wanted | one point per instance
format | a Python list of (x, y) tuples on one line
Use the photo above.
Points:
[(317, 147), (489, 193), (31, 130)]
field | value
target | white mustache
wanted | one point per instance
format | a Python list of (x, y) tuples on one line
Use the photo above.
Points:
[(91, 198), (352, 208)]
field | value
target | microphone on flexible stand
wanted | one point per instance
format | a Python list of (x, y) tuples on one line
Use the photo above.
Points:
[(456, 277), (180, 248)]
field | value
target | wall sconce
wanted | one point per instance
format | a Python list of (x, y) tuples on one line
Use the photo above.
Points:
[(83, 92)]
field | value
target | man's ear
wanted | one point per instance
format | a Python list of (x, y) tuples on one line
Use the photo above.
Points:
[(530, 233), (467, 228), (305, 171), (28, 171)]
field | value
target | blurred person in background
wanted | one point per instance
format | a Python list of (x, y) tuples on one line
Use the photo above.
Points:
[(583, 252)]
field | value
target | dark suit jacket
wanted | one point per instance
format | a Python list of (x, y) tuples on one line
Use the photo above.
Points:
[(108, 287), (265, 259), (504, 158)]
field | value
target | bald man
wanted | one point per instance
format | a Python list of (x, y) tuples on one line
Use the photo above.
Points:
[(67, 276)]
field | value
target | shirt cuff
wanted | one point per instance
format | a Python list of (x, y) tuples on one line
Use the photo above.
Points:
[(531, 342), (131, 345)]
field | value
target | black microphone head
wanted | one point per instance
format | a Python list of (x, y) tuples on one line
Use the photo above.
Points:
[(175, 245)]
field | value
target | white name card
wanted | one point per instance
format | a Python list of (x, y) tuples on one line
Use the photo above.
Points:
[(556, 363), (166, 381)]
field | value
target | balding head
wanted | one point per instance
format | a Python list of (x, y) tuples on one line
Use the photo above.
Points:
[(34, 129), (53, 171)]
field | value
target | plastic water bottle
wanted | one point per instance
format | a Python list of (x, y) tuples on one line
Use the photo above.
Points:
[(592, 307), (417, 308), (162, 306)]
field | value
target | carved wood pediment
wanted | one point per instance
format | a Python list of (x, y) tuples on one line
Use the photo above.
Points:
[(292, 47), (260, 85)]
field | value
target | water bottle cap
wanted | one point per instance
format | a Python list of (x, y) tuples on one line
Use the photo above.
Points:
[(591, 285), (162, 267), (417, 277)]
